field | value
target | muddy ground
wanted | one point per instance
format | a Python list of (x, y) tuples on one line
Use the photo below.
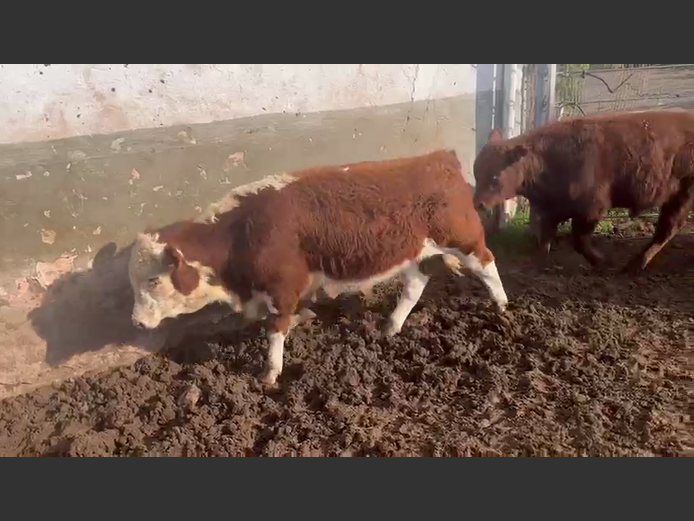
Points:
[(585, 364)]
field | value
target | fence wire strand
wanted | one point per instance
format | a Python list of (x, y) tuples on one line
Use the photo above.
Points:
[(619, 88)]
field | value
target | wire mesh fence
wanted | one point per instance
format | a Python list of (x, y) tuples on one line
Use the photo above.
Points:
[(591, 88), (528, 107), (584, 89)]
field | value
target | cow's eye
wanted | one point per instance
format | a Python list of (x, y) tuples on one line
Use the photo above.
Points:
[(153, 282)]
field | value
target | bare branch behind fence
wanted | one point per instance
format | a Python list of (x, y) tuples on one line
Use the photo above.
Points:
[(585, 90)]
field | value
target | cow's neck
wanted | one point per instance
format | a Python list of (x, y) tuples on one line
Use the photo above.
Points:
[(205, 243), (532, 172)]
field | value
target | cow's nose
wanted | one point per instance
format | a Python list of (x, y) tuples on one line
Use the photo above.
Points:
[(138, 324)]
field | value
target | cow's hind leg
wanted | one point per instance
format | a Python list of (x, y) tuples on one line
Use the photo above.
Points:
[(415, 282), (581, 230), (546, 234), (673, 215)]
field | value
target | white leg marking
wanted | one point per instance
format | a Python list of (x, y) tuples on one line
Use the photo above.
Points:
[(415, 282), (273, 365), (489, 275)]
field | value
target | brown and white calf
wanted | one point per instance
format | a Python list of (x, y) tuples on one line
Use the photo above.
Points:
[(278, 241)]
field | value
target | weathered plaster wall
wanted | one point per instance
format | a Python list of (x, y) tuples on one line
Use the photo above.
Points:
[(75, 190), (53, 101)]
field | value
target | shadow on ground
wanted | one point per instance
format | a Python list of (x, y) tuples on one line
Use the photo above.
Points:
[(90, 310)]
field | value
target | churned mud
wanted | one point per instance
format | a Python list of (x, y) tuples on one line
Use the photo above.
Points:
[(584, 364)]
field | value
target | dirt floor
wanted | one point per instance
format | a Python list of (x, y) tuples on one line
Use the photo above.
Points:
[(585, 364)]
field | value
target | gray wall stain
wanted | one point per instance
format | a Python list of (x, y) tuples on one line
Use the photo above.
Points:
[(120, 183)]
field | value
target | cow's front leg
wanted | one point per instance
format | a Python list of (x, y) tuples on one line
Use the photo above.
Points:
[(278, 328), (285, 301), (277, 334)]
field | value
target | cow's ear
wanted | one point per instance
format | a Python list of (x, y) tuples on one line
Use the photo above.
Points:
[(172, 258), (495, 136), (515, 154)]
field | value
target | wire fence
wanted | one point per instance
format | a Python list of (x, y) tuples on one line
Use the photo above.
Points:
[(529, 90), (584, 89), (587, 89)]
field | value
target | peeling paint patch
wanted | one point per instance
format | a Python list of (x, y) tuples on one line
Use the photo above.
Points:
[(48, 272), (203, 174), (157, 188), (187, 137), (134, 176), (97, 231), (46, 174), (68, 167), (235, 159), (25, 175), (47, 213), (76, 155), (116, 144), (47, 236), (21, 294)]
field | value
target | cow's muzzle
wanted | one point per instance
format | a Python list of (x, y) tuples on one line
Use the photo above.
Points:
[(138, 324)]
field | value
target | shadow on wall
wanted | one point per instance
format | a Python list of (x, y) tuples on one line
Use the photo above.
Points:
[(87, 311)]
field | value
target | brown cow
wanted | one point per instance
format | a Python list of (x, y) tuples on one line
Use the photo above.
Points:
[(283, 239), (581, 167)]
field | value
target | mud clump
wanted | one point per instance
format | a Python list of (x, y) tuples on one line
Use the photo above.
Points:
[(583, 364)]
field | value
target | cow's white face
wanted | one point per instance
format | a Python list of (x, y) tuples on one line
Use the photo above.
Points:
[(166, 286)]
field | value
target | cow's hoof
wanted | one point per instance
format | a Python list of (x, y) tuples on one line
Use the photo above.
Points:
[(633, 267), (391, 330), (596, 260), (268, 377), (302, 317)]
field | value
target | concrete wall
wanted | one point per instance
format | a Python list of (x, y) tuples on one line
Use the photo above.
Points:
[(55, 101), (92, 154)]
